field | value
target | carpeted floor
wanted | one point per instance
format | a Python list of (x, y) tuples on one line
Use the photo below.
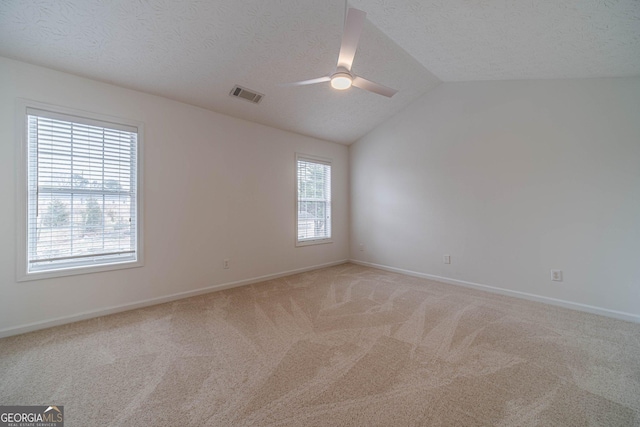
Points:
[(341, 346)]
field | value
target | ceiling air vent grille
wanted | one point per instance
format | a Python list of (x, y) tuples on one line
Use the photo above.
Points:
[(246, 94)]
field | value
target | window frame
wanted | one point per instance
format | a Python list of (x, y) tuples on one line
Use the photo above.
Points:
[(22, 192), (321, 160)]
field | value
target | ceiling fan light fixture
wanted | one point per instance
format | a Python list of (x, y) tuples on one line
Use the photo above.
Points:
[(341, 81), (343, 78)]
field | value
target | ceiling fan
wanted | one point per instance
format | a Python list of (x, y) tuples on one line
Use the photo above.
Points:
[(342, 78)]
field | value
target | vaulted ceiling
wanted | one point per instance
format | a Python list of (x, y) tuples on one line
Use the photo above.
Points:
[(195, 51)]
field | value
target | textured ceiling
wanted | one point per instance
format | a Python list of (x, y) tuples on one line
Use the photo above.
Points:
[(462, 40), (196, 50)]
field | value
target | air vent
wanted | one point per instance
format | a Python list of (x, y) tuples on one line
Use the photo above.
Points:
[(246, 94)]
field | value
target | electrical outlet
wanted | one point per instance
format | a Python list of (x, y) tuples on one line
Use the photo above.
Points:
[(556, 275), (361, 247), (225, 263), (447, 259)]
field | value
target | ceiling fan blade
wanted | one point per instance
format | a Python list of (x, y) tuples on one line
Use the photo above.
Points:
[(373, 87), (308, 82), (353, 25)]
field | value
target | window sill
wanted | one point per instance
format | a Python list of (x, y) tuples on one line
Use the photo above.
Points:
[(301, 243), (72, 271)]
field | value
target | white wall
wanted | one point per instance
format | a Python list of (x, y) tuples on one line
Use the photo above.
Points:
[(215, 187), (512, 179)]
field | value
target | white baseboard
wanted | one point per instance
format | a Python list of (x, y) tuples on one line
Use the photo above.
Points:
[(16, 330), (629, 317)]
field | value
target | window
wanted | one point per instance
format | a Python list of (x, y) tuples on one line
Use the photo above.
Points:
[(82, 201), (314, 200)]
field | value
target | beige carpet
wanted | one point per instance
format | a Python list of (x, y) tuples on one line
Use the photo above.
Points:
[(342, 346)]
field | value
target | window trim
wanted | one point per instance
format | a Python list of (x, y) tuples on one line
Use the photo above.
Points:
[(322, 240), (22, 191)]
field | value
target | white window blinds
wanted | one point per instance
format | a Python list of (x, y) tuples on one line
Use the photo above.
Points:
[(314, 199), (82, 192)]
